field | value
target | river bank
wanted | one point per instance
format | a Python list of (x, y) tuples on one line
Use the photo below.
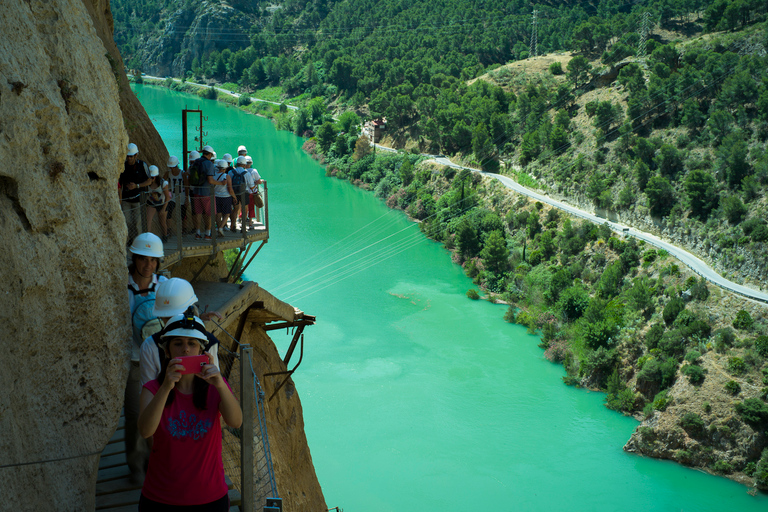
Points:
[(533, 282)]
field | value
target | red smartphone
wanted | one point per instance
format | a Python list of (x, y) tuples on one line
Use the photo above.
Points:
[(193, 364)]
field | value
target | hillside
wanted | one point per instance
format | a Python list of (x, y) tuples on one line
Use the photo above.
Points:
[(654, 114)]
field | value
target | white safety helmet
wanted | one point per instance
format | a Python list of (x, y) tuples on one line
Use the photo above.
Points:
[(188, 326), (221, 164), (248, 160), (227, 157), (241, 149), (207, 149), (193, 155), (241, 160), (173, 297), (147, 244), (153, 171), (133, 149), (173, 161)]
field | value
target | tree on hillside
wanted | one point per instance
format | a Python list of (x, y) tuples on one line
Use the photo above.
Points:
[(495, 253), (701, 192), (362, 148), (661, 197), (578, 70)]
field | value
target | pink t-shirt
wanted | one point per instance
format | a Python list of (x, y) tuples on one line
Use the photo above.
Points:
[(185, 466)]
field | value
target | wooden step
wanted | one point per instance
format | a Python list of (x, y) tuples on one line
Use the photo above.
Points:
[(118, 499), (112, 461), (105, 475), (113, 449)]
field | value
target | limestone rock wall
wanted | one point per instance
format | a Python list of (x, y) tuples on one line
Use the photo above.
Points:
[(63, 305)]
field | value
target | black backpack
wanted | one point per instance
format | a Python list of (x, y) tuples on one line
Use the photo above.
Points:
[(197, 175)]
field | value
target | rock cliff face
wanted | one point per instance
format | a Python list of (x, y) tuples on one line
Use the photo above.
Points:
[(65, 324), (66, 115)]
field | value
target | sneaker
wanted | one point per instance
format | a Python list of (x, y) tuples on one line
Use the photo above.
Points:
[(221, 232), (207, 237), (198, 236)]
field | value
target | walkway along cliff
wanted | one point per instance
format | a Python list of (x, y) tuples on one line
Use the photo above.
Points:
[(67, 114)]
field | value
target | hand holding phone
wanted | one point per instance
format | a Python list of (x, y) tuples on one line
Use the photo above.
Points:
[(192, 364)]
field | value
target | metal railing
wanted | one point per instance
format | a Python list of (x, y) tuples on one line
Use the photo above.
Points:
[(245, 451), (180, 219)]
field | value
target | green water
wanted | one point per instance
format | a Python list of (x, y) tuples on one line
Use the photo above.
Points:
[(415, 397)]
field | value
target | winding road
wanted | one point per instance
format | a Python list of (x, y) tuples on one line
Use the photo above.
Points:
[(685, 257), (694, 263)]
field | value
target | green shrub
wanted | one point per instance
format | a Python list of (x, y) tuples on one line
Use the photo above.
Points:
[(724, 338), (723, 467), (707, 407), (743, 321), (753, 411), (749, 468), (672, 342), (695, 373), (244, 100), (736, 366), (761, 471), (761, 345), (693, 356), (653, 336), (733, 387), (509, 315), (693, 424), (472, 294), (556, 68), (661, 401), (672, 309)]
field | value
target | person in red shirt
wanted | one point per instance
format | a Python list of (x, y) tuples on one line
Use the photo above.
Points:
[(181, 413)]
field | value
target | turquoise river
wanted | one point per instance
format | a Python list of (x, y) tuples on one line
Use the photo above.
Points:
[(415, 397)]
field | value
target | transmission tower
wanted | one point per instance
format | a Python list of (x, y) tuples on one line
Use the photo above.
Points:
[(534, 35), (645, 29)]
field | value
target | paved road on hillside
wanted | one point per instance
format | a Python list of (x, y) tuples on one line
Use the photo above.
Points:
[(223, 91), (694, 263)]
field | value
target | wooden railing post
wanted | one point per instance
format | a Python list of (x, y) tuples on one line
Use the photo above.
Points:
[(247, 401)]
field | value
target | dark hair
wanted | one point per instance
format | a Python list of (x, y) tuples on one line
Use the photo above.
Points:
[(132, 266), (199, 390)]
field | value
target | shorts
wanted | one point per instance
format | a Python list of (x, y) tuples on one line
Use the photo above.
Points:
[(172, 208), (201, 204), (220, 505), (158, 207), (224, 205)]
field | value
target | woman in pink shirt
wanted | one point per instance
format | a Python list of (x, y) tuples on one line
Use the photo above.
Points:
[(181, 412)]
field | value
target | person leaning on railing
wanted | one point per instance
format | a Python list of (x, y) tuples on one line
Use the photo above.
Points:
[(201, 176), (132, 181), (179, 185), (256, 202), (181, 412), (225, 195), (157, 201)]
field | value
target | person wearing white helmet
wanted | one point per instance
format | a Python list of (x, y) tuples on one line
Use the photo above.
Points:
[(143, 282), (178, 184), (225, 196), (157, 201), (201, 178), (174, 297), (242, 181), (181, 411), (257, 202), (131, 183), (241, 151)]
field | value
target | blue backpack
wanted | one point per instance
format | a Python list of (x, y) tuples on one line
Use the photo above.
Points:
[(143, 320)]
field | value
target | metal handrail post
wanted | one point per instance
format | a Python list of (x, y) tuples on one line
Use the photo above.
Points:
[(266, 207), (143, 213), (247, 400), (244, 196), (214, 224), (179, 222)]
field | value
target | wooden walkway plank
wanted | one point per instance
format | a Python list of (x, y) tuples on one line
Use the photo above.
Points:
[(118, 499), (114, 449), (105, 475), (117, 485), (112, 461)]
